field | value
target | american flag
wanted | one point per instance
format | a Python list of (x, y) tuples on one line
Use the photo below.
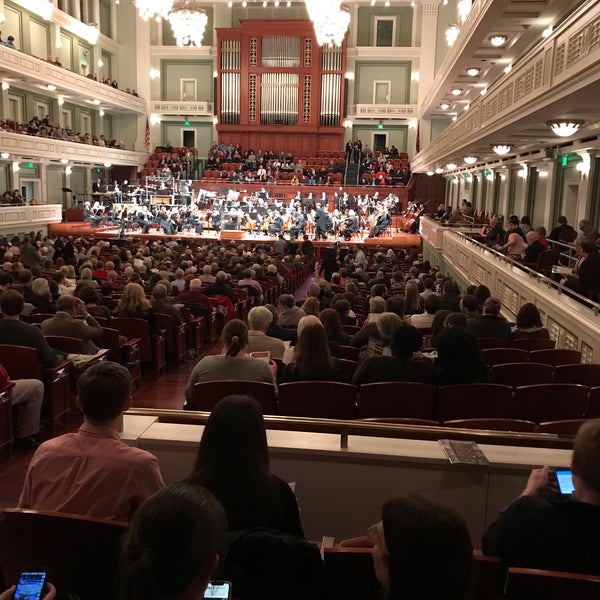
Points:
[(147, 136)]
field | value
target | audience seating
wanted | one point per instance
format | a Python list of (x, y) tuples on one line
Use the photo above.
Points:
[(349, 574), (396, 399), (518, 425), (174, 337), (592, 410), (522, 373), (80, 553), (152, 347), (533, 584), (6, 420), (402, 421), (555, 357), (324, 399), (564, 427), (22, 362), (531, 344), (127, 353), (36, 318), (497, 356), (585, 374), (473, 401), (549, 402), (208, 393), (350, 353), (487, 343), (347, 367)]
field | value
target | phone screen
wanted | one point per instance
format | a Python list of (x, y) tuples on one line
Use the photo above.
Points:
[(31, 585), (565, 481), (219, 590)]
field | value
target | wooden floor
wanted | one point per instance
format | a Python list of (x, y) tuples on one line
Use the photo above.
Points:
[(166, 392)]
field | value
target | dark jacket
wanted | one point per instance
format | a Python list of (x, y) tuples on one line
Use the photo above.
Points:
[(490, 326)]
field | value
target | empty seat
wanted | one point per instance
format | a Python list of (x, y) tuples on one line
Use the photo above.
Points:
[(585, 374), (558, 356), (472, 401), (564, 427), (549, 402), (522, 373), (208, 393), (322, 399), (396, 399), (498, 356)]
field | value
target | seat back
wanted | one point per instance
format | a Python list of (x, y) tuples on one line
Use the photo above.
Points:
[(564, 427), (585, 374), (493, 424), (347, 368), (80, 553), (486, 343), (549, 402), (349, 353), (131, 327), (534, 344), (36, 318), (527, 584), (522, 373), (321, 399), (350, 574), (498, 356), (175, 336), (208, 393), (21, 362), (472, 401), (487, 579), (592, 410), (65, 344), (396, 399), (557, 356)]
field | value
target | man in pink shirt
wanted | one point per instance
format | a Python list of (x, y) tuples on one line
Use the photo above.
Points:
[(92, 472)]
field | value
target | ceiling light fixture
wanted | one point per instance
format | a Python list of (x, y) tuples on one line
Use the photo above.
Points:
[(456, 91), (95, 101), (483, 91), (429, 173), (60, 100), (439, 171), (64, 161), (547, 32), (5, 86), (498, 40), (464, 8), (508, 68), (188, 21), (501, 149), (473, 71), (101, 113), (51, 87), (451, 166), (150, 9), (330, 21), (5, 155), (108, 165), (452, 33), (565, 128), (444, 106), (470, 160)]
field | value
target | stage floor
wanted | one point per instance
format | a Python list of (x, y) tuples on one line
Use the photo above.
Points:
[(398, 239)]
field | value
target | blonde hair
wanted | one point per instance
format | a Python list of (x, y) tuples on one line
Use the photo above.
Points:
[(133, 301)]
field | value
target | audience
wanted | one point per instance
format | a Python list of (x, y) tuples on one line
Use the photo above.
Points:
[(529, 323), (491, 324), (459, 358)]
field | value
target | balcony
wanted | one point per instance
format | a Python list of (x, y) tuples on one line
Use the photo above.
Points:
[(383, 111), (189, 109), (35, 148), (25, 218), (24, 69)]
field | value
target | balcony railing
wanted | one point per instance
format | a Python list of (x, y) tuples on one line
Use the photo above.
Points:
[(384, 111), (196, 109)]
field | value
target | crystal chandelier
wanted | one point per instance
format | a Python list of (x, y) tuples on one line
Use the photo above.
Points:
[(188, 21), (153, 9), (330, 21)]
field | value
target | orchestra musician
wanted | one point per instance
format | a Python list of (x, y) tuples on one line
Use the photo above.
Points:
[(384, 220), (299, 226), (351, 225)]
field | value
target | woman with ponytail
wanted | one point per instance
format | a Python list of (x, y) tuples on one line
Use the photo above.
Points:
[(173, 545), (233, 363)]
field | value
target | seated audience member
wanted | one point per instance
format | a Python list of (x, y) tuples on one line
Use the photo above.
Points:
[(469, 306), (376, 307), (534, 248), (90, 297), (65, 472), (311, 306), (514, 246), (529, 323), (421, 550), (66, 322), (232, 364), (428, 290), (289, 314), (49, 592), (161, 303), (174, 544), (220, 287), (543, 529), (563, 231), (27, 396), (42, 297), (587, 278), (482, 293), (459, 358), (286, 334), (233, 463), (449, 299), (336, 336), (394, 304), (259, 319), (312, 360), (194, 298), (133, 303), (491, 324), (424, 320), (106, 296), (413, 303), (344, 308), (437, 325), (400, 366), (16, 332)]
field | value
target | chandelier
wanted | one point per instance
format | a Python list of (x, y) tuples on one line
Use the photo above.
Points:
[(330, 21), (565, 127), (153, 9), (188, 21)]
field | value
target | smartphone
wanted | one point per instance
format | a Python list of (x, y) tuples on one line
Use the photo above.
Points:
[(31, 584), (565, 481), (221, 590)]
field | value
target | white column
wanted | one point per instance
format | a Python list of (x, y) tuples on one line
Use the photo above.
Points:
[(427, 60), (504, 190), (584, 199)]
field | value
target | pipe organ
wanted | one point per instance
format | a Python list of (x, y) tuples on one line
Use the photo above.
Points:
[(278, 89)]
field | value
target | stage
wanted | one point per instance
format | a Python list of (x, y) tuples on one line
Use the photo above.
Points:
[(397, 239)]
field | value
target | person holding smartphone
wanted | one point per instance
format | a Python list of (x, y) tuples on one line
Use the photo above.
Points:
[(544, 529), (45, 588)]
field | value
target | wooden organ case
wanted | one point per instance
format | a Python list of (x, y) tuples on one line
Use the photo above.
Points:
[(278, 89)]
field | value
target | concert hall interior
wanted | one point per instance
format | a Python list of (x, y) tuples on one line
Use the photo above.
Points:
[(410, 130)]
